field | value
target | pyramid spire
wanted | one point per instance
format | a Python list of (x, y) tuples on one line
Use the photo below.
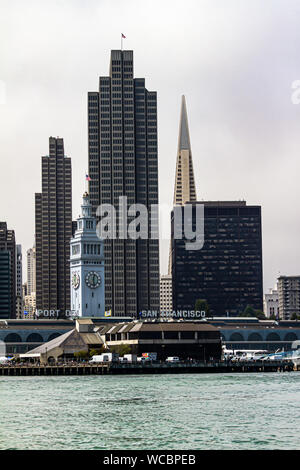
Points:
[(185, 189), (184, 135)]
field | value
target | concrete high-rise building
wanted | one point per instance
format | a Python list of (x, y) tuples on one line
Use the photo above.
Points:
[(289, 296), (8, 244), (271, 304), (227, 271), (19, 293), (30, 296), (31, 270), (19, 270), (53, 229), (122, 134), (166, 302), (185, 188)]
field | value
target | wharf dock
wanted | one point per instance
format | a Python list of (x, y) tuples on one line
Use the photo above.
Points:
[(145, 368)]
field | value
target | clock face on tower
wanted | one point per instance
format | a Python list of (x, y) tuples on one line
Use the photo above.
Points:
[(93, 279), (75, 280)]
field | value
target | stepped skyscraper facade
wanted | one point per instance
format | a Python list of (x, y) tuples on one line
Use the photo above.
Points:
[(122, 134), (53, 230)]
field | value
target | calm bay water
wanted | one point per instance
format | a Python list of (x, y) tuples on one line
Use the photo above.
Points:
[(221, 411)]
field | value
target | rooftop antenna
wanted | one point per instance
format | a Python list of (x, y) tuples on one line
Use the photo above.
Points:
[(122, 37)]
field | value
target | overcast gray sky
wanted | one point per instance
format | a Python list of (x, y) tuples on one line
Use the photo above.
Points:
[(235, 61)]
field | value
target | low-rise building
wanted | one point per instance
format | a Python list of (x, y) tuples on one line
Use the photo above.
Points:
[(185, 339), (82, 338), (29, 305), (271, 304)]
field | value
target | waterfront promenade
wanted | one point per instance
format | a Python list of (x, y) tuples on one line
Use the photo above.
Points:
[(145, 368)]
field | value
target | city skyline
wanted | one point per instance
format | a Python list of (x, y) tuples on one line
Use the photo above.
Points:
[(238, 96)]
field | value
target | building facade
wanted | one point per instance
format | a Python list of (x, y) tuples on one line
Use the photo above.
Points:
[(166, 301), (289, 296), (19, 270), (197, 340), (5, 285), (29, 306), (122, 134), (87, 266), (53, 229), (19, 279), (271, 304), (21, 336), (8, 244), (31, 270), (253, 334), (227, 271)]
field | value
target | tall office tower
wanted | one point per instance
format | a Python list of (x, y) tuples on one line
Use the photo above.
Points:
[(19, 269), (31, 270), (227, 271), (19, 293), (122, 132), (53, 229), (5, 285), (289, 296), (8, 244), (185, 188)]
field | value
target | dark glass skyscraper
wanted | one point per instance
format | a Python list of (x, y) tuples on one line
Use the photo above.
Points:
[(5, 285), (227, 271), (53, 229), (122, 132), (8, 271)]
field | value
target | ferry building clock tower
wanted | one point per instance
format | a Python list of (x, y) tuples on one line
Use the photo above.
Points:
[(87, 266)]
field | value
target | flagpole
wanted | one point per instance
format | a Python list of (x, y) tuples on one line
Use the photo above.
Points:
[(121, 42)]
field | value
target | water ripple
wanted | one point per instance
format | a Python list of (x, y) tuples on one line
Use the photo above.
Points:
[(218, 411)]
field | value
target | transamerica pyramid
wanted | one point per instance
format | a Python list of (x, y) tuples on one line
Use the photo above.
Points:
[(185, 189)]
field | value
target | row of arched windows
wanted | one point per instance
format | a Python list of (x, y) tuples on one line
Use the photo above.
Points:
[(258, 337), (32, 338)]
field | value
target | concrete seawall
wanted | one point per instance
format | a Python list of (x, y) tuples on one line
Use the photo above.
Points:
[(150, 368)]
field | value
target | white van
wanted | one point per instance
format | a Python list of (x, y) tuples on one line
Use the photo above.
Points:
[(172, 359), (106, 357), (130, 357)]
